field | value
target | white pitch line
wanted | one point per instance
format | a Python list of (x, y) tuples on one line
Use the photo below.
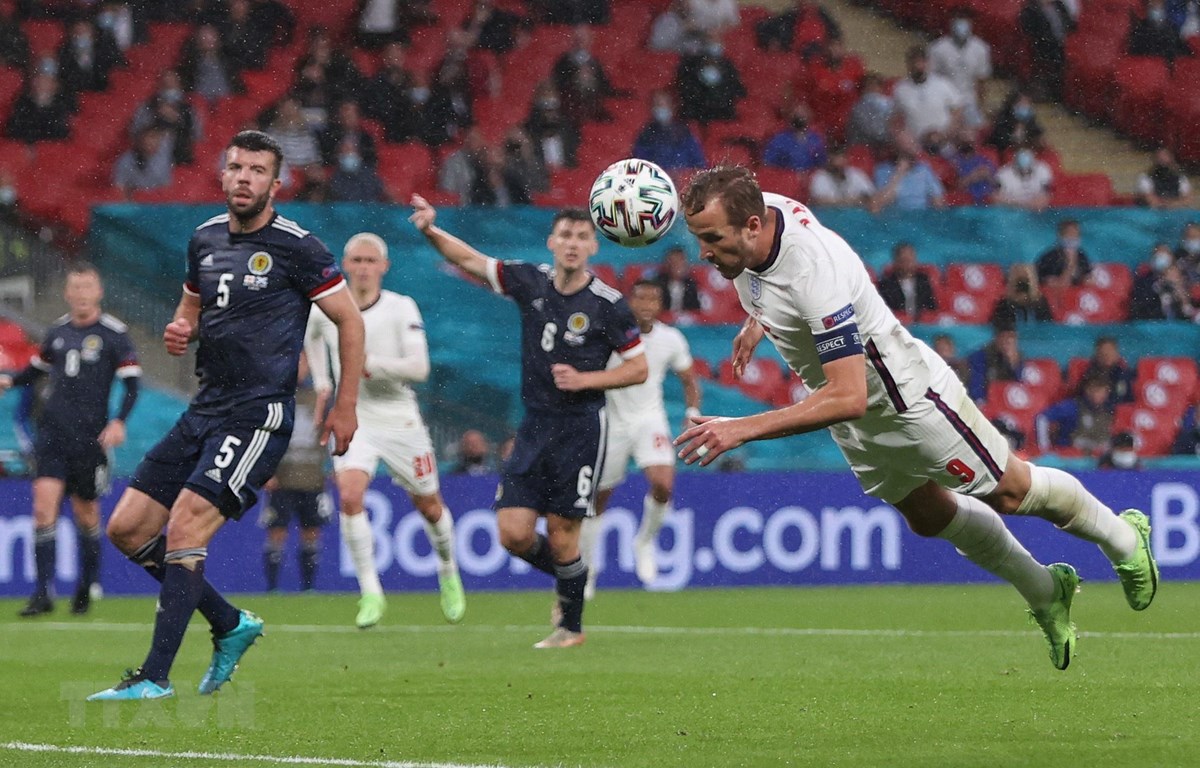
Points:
[(334, 629), (229, 757)]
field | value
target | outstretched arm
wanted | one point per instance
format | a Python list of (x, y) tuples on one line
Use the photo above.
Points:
[(452, 249)]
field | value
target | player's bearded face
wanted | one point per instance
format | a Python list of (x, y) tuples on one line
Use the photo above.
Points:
[(249, 182)]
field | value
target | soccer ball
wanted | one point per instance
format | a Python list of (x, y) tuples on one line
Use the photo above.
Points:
[(633, 202)]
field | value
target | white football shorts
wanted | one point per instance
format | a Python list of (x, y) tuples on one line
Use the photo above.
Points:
[(647, 440), (407, 452), (942, 437)]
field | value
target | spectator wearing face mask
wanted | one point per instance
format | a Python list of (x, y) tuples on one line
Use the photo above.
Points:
[(353, 181), (169, 110), (871, 115), (800, 148), (1187, 253), (1016, 124), (840, 183), (708, 16), (667, 140), (41, 113), (905, 181), (1066, 263), (346, 127), (145, 165), (1024, 182), (581, 81), (87, 57), (523, 171), (966, 61), (385, 94), (1160, 291), (1121, 454), (928, 103), (554, 134), (1165, 185), (708, 84)]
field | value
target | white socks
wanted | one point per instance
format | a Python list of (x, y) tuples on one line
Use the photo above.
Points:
[(356, 533), (589, 536), (979, 534), (1058, 497), (441, 536), (653, 515)]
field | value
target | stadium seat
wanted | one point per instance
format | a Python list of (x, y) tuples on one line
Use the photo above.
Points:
[(634, 272), (606, 272), (761, 380), (1153, 431), (718, 298), (1078, 305), (1043, 375), (1082, 189), (1177, 374), (1076, 367), (967, 308), (977, 279), (1162, 397), (1139, 85), (45, 37), (702, 368), (1089, 72), (791, 391), (1112, 280), (1018, 404)]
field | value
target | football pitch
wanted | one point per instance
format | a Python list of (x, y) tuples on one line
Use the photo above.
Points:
[(850, 676)]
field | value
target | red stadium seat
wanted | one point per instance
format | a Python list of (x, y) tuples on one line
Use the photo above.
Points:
[(1079, 305), (1076, 367), (1082, 189), (718, 297), (761, 380), (977, 279), (1089, 73), (634, 272), (1162, 397), (1153, 431), (790, 392), (607, 273), (1139, 85), (1179, 375), (968, 308), (1018, 398), (1111, 279), (1043, 375), (44, 36)]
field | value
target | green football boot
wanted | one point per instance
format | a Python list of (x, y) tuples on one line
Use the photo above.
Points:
[(454, 600), (1138, 573), (370, 610), (1055, 619)]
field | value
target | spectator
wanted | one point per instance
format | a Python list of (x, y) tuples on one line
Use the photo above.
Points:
[(1153, 34), (798, 148), (708, 84), (666, 140), (14, 44), (524, 174), (338, 70), (316, 94), (944, 345), (474, 455), (290, 128), (1022, 301), (974, 173), (871, 116), (554, 135), (119, 20), (382, 22), (840, 183), (386, 96), (473, 174), (929, 104), (1121, 454), (425, 114), (709, 17), (347, 127), (1160, 291), (905, 181), (580, 79), (999, 360), (353, 179), (1016, 123), (279, 22), (801, 28), (572, 11), (205, 70), (1046, 24), (966, 61), (905, 287), (679, 289), (492, 28), (1083, 422), (145, 165), (1185, 15), (244, 40), (1187, 253), (1025, 182), (40, 113), (672, 31), (169, 110), (314, 185), (1165, 185), (463, 76), (1106, 363), (1066, 263), (87, 57)]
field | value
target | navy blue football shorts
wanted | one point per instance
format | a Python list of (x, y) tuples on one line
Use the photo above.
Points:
[(81, 464), (555, 464), (225, 458), (305, 506)]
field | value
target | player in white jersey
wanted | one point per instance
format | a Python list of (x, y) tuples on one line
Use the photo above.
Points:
[(902, 419), (392, 429), (638, 430)]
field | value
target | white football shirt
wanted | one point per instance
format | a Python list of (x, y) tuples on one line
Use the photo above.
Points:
[(814, 291), (666, 348), (396, 354)]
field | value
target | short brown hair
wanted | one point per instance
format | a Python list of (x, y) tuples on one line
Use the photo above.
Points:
[(81, 267), (736, 188), (573, 215)]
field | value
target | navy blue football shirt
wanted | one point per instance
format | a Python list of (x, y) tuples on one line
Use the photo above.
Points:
[(255, 293), (582, 329), (82, 362)]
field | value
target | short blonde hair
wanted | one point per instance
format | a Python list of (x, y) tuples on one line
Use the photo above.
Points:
[(371, 239)]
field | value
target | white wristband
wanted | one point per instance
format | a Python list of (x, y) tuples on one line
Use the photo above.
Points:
[(692, 413)]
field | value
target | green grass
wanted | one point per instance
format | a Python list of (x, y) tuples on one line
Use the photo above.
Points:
[(921, 676)]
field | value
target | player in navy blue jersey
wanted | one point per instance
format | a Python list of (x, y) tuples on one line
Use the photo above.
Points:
[(82, 353), (252, 276), (571, 323)]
